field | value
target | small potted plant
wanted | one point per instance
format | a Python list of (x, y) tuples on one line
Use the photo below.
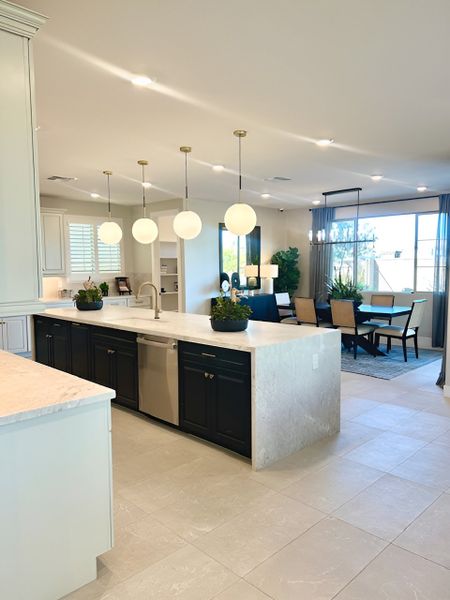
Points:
[(228, 314), (344, 289), (104, 287), (88, 299)]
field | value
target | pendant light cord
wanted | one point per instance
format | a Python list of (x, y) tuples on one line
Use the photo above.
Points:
[(240, 168), (109, 194), (143, 192), (186, 191)]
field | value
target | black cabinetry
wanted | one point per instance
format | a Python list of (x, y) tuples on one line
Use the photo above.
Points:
[(215, 395), (52, 343), (115, 364), (106, 356)]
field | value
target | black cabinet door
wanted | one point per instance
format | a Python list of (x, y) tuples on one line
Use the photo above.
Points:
[(59, 346), (80, 350), (101, 358), (125, 376), (41, 341), (195, 400), (231, 415)]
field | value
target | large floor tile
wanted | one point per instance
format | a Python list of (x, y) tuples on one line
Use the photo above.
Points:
[(193, 515), (188, 574), (399, 575), (423, 426), (353, 406), (387, 506), (333, 485), (384, 416), (188, 479), (293, 468), (140, 545), (126, 512), (349, 437), (254, 535), (443, 439), (430, 466), (429, 535), (385, 451), (241, 590), (318, 564)]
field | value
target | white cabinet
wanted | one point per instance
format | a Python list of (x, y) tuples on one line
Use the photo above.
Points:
[(14, 334), (52, 242), (19, 195)]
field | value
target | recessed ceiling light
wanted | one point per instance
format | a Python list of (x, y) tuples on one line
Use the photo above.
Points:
[(141, 80), (422, 188), (265, 195), (218, 168), (146, 184), (95, 195), (376, 177), (316, 202), (325, 142)]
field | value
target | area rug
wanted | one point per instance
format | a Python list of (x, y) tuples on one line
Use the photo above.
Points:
[(389, 366)]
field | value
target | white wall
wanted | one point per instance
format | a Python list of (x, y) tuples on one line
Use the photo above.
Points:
[(201, 255), (298, 224)]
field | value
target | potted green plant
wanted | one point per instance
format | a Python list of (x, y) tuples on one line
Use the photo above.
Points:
[(88, 299), (288, 271), (228, 314), (104, 287), (344, 289)]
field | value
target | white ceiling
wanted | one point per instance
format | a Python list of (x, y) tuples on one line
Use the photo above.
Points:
[(372, 74)]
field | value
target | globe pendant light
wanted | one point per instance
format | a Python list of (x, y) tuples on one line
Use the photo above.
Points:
[(187, 224), (240, 218), (109, 232), (144, 230)]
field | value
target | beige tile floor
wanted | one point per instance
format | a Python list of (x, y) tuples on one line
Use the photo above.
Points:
[(364, 515)]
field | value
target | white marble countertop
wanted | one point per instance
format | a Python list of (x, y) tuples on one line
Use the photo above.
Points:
[(188, 327), (29, 389)]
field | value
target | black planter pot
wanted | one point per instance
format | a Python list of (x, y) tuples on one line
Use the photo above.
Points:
[(240, 325), (89, 305)]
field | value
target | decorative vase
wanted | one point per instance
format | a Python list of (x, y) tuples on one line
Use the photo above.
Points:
[(89, 305), (229, 325)]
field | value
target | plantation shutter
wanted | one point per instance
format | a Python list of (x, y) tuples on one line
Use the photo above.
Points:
[(109, 256), (82, 249)]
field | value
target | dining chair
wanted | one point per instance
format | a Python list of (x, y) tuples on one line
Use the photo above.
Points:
[(343, 317), (283, 298), (305, 314), (381, 300), (410, 330)]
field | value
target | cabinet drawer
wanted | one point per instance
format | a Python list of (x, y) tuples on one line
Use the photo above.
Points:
[(128, 338), (213, 356)]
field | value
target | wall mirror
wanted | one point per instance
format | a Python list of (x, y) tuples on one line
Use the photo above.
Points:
[(240, 258)]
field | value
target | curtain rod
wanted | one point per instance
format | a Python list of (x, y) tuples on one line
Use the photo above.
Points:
[(382, 202)]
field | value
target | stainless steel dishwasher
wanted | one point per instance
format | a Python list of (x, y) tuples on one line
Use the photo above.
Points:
[(158, 377)]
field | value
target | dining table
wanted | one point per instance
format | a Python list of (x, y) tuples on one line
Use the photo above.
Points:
[(364, 312)]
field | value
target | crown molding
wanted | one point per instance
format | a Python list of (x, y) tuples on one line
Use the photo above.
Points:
[(19, 20)]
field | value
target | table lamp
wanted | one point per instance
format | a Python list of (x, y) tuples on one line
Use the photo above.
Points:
[(252, 273), (269, 273)]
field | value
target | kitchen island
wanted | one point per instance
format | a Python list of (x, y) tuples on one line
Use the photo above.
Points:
[(293, 373), (55, 479)]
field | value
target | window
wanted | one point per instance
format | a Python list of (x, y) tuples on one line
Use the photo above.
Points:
[(87, 254), (399, 257), (236, 252)]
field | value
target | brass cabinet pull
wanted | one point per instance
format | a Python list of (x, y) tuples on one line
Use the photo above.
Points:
[(208, 355), (75, 324), (211, 375), (206, 375), (111, 351)]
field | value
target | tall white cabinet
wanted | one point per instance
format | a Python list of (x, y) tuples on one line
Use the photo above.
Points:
[(20, 272)]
